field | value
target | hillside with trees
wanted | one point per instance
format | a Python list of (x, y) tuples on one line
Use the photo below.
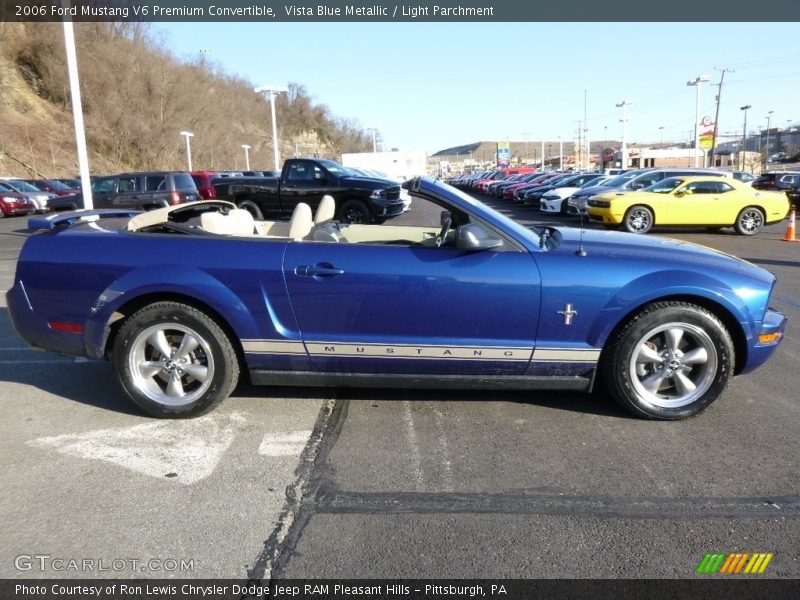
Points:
[(137, 97)]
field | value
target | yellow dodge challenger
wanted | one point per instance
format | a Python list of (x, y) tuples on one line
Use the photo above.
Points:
[(706, 201)]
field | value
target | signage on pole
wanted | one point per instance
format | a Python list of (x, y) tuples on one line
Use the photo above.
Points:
[(503, 154)]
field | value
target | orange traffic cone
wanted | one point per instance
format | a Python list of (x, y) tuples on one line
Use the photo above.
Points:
[(791, 232)]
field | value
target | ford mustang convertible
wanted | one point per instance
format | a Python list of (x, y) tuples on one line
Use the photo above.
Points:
[(183, 300)]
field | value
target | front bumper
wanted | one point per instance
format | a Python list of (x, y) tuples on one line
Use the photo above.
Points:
[(773, 326)]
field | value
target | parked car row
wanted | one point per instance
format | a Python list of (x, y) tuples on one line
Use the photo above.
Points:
[(24, 196), (637, 200)]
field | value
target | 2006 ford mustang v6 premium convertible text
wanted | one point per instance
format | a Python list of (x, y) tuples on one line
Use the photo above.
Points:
[(183, 299)]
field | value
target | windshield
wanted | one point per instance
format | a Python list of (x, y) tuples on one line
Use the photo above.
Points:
[(22, 186), (665, 186), (58, 185), (6, 188), (334, 168), (622, 179)]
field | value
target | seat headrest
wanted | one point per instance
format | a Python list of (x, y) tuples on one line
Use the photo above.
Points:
[(215, 222), (325, 210), (243, 221), (302, 223)]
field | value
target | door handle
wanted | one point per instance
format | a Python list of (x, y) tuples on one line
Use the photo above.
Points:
[(318, 270)]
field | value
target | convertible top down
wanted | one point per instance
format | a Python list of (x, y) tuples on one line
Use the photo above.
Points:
[(184, 299)]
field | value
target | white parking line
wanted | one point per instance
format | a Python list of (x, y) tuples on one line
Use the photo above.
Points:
[(185, 451), (289, 443), (416, 457)]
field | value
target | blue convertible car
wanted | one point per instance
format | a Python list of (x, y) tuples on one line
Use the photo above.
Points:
[(184, 299)]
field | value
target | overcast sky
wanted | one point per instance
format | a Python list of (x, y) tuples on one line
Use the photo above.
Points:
[(430, 86)]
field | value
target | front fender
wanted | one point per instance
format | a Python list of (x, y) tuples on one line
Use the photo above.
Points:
[(672, 284), (165, 279)]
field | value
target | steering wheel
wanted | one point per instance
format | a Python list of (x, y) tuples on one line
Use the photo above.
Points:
[(440, 239)]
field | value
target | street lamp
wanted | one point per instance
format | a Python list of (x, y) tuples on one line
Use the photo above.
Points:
[(624, 155), (661, 130), (246, 156), (187, 135), (374, 131), (768, 117), (696, 83), (744, 133), (272, 91), (560, 154)]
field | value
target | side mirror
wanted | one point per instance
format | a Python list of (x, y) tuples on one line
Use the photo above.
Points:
[(685, 192), (680, 193), (445, 217), (474, 237)]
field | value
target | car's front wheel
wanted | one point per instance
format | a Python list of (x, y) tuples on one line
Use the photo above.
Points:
[(638, 219), (669, 361), (174, 361), (354, 211), (750, 221)]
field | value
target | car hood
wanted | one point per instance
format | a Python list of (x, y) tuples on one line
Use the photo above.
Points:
[(656, 249), (597, 189), (369, 182)]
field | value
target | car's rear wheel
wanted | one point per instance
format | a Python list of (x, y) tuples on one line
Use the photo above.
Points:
[(252, 208), (750, 221), (354, 211), (669, 361), (174, 361), (638, 219)]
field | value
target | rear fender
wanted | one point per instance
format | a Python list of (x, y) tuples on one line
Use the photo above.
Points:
[(193, 283)]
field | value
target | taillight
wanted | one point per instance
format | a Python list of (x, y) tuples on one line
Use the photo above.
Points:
[(212, 192), (174, 198)]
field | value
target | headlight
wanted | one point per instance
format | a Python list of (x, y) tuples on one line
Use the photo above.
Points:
[(378, 194), (600, 203)]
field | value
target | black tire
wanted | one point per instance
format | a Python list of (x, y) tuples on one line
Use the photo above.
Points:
[(749, 221), (252, 208), (638, 219), (564, 210), (354, 211), (205, 375), (669, 361)]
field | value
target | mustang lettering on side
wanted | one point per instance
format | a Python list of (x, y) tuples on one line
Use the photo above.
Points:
[(185, 299)]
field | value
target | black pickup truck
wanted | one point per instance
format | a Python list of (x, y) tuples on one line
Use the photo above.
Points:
[(358, 199)]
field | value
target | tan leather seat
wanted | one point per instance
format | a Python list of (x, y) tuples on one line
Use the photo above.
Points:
[(243, 222), (216, 222), (325, 210), (302, 223)]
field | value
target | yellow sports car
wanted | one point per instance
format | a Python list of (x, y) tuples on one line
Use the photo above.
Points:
[(707, 201)]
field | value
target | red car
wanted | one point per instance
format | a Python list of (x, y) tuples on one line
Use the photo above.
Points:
[(13, 202), (203, 179), (52, 186)]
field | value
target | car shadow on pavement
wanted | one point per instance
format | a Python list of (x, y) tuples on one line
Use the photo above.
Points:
[(597, 403), (85, 381)]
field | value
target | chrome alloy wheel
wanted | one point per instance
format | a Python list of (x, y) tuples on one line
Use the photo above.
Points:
[(171, 364), (673, 365), (751, 221), (639, 221)]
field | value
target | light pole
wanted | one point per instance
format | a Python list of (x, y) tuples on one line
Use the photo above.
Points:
[(624, 154), (246, 155), (766, 150), (560, 154), (696, 83), (272, 91), (77, 107), (588, 151), (374, 131), (661, 131), (187, 135), (744, 133)]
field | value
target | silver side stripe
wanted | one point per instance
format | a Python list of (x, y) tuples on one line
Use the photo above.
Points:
[(273, 347), (421, 352)]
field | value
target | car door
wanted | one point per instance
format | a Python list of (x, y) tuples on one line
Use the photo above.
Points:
[(304, 182), (103, 192), (128, 189), (406, 309), (699, 204)]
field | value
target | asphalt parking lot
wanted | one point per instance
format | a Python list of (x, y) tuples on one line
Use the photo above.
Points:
[(296, 482)]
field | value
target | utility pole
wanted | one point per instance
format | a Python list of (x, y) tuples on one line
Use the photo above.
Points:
[(716, 114)]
